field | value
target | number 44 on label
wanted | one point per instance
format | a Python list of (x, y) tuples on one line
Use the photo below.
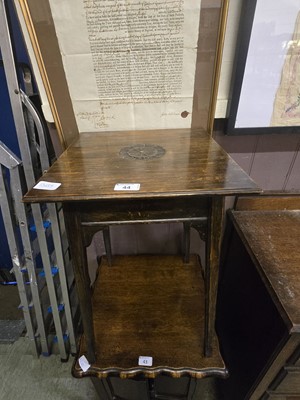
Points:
[(127, 186)]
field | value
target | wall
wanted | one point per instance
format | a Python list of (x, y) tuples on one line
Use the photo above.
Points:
[(273, 161)]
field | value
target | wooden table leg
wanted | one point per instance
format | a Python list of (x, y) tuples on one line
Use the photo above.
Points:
[(186, 241), (82, 278), (107, 245), (213, 249)]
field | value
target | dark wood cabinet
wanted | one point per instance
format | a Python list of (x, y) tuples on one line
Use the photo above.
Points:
[(258, 317)]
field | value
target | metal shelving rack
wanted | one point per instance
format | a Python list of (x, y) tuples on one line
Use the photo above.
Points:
[(36, 234)]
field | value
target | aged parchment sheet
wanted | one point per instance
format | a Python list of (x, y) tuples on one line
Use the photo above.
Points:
[(286, 111), (129, 64)]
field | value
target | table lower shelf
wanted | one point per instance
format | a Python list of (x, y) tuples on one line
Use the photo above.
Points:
[(150, 306)]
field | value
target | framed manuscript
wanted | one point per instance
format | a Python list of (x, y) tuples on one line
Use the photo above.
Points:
[(266, 78), (116, 65)]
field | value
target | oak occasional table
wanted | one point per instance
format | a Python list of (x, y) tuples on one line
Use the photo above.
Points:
[(183, 176)]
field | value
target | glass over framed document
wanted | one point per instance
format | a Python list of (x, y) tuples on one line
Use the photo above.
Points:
[(130, 64), (266, 95)]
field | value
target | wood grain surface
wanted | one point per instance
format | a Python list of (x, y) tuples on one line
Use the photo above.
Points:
[(193, 163), (273, 237), (268, 202), (150, 306)]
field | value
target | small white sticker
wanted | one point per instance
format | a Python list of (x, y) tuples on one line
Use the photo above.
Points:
[(43, 185), (127, 186), (146, 361), (84, 364)]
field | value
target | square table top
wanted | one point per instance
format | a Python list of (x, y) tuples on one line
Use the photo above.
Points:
[(185, 162)]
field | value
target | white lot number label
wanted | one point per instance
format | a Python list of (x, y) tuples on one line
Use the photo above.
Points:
[(127, 186), (84, 364), (44, 185), (145, 361)]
